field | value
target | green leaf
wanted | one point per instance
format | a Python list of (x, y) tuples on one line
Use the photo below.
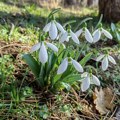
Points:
[(66, 85), (67, 81), (113, 27), (32, 63), (83, 21), (70, 79), (51, 62), (86, 59), (100, 21)]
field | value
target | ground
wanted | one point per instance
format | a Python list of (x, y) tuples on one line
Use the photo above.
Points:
[(21, 98)]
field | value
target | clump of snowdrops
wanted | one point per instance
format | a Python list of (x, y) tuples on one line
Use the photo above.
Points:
[(54, 59)]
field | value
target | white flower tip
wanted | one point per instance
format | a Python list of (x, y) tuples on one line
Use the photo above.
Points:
[(63, 66), (99, 58), (35, 47), (88, 36), (53, 47), (47, 27), (60, 27), (106, 33), (105, 63), (43, 56), (96, 36), (53, 32), (85, 84), (74, 37), (77, 66), (111, 59), (95, 80), (78, 33)]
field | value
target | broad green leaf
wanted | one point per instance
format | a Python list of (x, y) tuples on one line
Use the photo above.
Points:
[(67, 81), (86, 59), (71, 78), (32, 63)]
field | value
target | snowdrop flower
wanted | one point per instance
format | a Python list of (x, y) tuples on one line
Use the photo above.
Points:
[(43, 55), (63, 66), (97, 34), (88, 78), (87, 34), (105, 61), (53, 27), (66, 36)]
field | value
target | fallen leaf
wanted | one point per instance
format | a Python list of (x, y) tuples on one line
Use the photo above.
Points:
[(103, 99), (86, 109)]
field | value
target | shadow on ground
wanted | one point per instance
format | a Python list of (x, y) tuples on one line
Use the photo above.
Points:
[(26, 19)]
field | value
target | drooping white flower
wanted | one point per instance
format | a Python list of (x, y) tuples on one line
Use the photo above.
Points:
[(63, 66), (66, 36), (97, 34), (88, 78), (53, 32), (35, 47), (53, 28), (87, 34), (105, 61), (43, 55), (106, 33)]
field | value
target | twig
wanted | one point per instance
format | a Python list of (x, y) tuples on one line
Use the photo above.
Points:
[(13, 45)]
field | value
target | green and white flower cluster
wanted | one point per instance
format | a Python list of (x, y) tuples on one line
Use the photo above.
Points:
[(56, 32)]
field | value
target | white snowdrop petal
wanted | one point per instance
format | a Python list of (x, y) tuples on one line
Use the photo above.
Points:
[(85, 84), (74, 37), (100, 57), (106, 33), (96, 35), (47, 27), (111, 59), (64, 37), (77, 66), (60, 27), (78, 33), (105, 63), (43, 56), (95, 80), (53, 32), (63, 66), (88, 36), (35, 47), (53, 47)]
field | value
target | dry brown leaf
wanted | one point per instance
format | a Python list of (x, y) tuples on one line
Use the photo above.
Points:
[(87, 109), (103, 99)]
